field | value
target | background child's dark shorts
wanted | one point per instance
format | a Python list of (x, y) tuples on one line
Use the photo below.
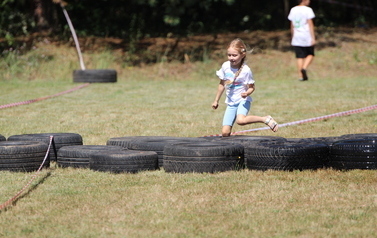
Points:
[(303, 52)]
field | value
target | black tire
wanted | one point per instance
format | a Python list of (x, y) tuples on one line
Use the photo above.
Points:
[(60, 140), (202, 157), (243, 138), (124, 141), (130, 161), (157, 144), (77, 156), (359, 136), (358, 153), (248, 141), (95, 76), (325, 140), (22, 156), (287, 155), (2, 138)]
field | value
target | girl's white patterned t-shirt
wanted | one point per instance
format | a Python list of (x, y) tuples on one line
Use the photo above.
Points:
[(240, 85)]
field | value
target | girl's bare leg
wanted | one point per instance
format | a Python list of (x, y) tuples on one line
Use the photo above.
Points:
[(226, 131), (245, 120)]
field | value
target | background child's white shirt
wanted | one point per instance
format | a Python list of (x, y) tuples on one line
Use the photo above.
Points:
[(299, 16), (234, 90)]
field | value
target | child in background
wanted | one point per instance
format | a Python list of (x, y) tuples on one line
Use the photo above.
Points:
[(303, 38), (237, 79)]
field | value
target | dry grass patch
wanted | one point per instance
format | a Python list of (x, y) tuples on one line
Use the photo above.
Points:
[(159, 204)]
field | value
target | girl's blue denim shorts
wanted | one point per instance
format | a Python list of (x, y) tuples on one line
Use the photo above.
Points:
[(232, 111)]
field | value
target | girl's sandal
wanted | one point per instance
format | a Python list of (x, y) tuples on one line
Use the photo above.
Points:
[(271, 123)]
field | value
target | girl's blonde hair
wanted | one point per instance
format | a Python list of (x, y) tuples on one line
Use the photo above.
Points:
[(240, 46)]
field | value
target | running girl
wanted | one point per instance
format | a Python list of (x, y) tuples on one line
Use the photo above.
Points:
[(237, 80)]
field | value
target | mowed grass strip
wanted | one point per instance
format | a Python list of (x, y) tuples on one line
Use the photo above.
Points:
[(175, 100), (84, 203)]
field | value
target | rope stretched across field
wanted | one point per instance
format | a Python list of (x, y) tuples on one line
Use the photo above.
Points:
[(33, 177), (43, 98), (339, 114)]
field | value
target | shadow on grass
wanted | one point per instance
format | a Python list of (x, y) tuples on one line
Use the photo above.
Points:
[(31, 189)]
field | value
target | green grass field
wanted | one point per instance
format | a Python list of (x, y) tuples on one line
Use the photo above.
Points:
[(174, 99)]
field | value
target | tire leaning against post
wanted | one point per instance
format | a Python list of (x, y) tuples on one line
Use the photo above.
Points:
[(95, 76)]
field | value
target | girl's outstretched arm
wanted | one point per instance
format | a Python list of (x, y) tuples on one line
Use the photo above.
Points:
[(220, 90)]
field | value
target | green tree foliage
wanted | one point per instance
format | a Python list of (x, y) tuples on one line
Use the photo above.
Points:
[(133, 19), (13, 21)]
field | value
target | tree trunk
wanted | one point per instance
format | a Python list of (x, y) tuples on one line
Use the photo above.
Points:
[(286, 9)]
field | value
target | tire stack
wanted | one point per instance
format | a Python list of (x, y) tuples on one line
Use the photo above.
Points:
[(354, 151), (129, 161), (157, 144), (361, 136), (78, 156), (248, 142), (202, 157), (124, 141), (59, 140), (22, 156), (287, 155)]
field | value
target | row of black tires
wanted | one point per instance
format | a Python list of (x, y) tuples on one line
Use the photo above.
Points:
[(189, 154)]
